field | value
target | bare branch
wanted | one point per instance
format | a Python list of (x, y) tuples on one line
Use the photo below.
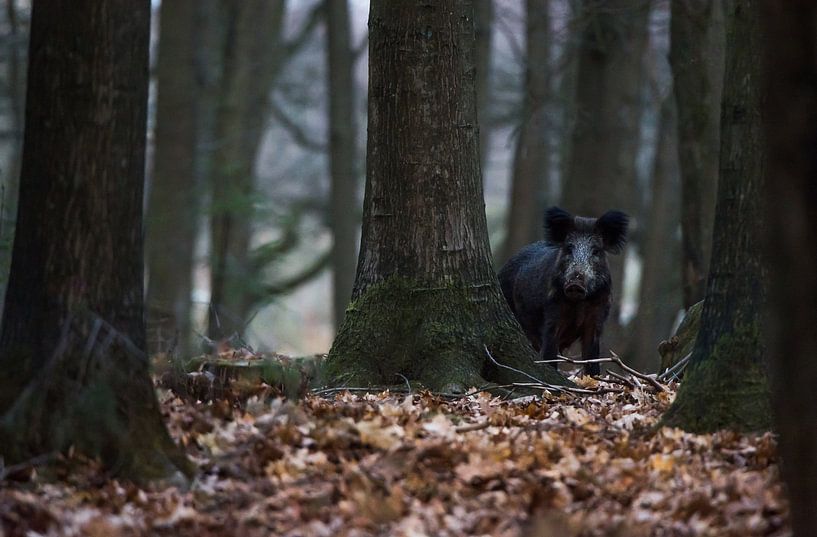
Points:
[(315, 17), (295, 131)]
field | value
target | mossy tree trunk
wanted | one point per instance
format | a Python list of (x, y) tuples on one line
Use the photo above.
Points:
[(426, 301), (173, 202), (696, 56), (531, 163), (342, 154), (73, 336), (726, 383), (791, 134)]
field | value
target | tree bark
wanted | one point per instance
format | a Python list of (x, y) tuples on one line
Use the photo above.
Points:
[(531, 162), (696, 57), (791, 225), (173, 201), (660, 281), (483, 28), (342, 154), (253, 53), (73, 338), (426, 301), (726, 383)]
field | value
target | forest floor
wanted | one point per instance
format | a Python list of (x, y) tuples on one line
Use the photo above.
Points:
[(356, 464)]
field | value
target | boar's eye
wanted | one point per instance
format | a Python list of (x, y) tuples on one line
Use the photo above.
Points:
[(568, 248), (597, 251)]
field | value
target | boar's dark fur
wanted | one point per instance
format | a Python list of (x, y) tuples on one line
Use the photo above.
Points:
[(560, 289)]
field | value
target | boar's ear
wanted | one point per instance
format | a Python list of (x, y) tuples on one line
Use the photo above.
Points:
[(612, 226), (558, 223)]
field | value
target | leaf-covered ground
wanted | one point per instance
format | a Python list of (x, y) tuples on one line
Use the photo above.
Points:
[(413, 465)]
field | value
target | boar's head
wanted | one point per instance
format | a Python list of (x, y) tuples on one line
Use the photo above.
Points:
[(581, 265)]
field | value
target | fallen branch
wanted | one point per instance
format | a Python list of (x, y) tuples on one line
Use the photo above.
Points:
[(614, 359)]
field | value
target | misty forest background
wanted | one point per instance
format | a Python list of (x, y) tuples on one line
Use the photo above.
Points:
[(252, 229)]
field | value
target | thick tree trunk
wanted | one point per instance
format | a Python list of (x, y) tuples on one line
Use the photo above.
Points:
[(601, 173), (791, 228), (73, 337), (173, 201), (726, 384), (660, 282), (426, 301), (696, 56), (483, 28), (253, 53), (343, 153), (531, 162)]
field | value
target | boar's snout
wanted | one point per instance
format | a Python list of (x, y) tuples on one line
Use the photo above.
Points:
[(575, 287)]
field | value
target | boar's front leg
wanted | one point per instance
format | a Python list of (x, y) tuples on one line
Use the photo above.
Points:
[(590, 351), (550, 347)]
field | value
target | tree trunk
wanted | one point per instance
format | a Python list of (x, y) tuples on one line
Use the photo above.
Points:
[(173, 201), (660, 282), (791, 225), (602, 168), (15, 81), (343, 153), (531, 163), (426, 301), (696, 56), (73, 337), (253, 53), (483, 27), (726, 385)]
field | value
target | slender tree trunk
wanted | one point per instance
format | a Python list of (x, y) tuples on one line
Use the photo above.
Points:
[(660, 283), (602, 170), (73, 337), (173, 201), (791, 226), (15, 79), (483, 28), (343, 151), (726, 384), (531, 162), (696, 56), (253, 53), (426, 301)]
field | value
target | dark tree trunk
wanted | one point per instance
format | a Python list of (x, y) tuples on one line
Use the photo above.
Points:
[(426, 300), (791, 228), (253, 53), (483, 27), (531, 163), (696, 56), (173, 201), (660, 281), (726, 384), (601, 173), (343, 152), (73, 337)]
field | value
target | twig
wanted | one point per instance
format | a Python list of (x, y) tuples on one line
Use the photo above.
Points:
[(612, 359), (620, 379), (473, 427), (674, 371)]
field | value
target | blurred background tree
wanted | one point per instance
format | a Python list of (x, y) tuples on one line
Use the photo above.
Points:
[(255, 157)]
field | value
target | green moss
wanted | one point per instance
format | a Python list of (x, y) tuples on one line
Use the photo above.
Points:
[(402, 330), (726, 390)]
